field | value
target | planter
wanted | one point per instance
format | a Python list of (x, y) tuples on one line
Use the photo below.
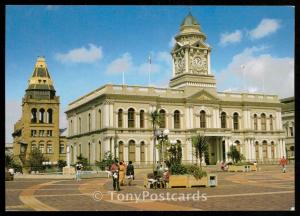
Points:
[(193, 182), (242, 168), (178, 181)]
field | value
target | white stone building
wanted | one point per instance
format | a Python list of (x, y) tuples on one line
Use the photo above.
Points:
[(116, 118)]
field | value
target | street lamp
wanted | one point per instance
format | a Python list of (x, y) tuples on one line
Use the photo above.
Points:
[(162, 135)]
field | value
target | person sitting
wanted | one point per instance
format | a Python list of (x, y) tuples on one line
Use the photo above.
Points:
[(166, 176)]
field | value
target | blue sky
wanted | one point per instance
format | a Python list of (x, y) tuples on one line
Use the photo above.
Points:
[(88, 46)]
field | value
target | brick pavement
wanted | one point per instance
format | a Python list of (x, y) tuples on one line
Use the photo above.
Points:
[(268, 189)]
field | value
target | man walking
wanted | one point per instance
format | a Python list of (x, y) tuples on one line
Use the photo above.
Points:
[(115, 175), (78, 170), (283, 163)]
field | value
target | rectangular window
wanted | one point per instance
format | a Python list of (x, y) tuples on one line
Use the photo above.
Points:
[(61, 148), (49, 133), (33, 133), (49, 148)]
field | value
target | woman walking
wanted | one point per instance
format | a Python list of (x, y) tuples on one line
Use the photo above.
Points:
[(121, 174)]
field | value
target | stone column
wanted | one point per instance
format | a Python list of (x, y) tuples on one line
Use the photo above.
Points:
[(125, 153), (93, 119), (186, 56), (191, 117), (111, 115), (283, 146), (279, 148), (68, 155), (226, 148), (253, 150), (173, 66), (138, 152), (260, 152), (187, 116), (269, 150), (106, 115)]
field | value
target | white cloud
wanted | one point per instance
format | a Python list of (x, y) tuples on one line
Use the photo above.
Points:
[(164, 57), (172, 41), (144, 68), (233, 37), (81, 55), (13, 112), (275, 75), (119, 65), (265, 28)]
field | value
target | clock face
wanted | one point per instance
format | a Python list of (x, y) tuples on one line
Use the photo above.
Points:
[(198, 62)]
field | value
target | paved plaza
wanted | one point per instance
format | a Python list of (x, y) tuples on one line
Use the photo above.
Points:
[(266, 189)]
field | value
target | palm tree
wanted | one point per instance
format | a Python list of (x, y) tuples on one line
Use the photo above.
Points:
[(155, 120), (200, 144)]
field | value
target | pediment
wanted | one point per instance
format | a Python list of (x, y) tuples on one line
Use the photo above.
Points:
[(200, 44), (203, 95)]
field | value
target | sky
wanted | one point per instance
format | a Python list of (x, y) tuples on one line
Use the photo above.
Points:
[(89, 46)]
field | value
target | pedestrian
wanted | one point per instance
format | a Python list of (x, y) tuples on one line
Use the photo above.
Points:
[(78, 171), (222, 166), (115, 175), (130, 172), (283, 163), (121, 174), (166, 176)]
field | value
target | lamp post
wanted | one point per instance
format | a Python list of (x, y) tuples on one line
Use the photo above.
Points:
[(162, 135)]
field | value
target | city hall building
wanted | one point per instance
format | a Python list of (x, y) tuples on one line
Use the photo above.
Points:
[(116, 118)]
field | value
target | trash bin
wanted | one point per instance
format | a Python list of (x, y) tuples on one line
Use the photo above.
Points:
[(212, 180)]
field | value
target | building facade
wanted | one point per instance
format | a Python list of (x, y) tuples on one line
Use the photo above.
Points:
[(288, 123), (116, 118), (39, 123)]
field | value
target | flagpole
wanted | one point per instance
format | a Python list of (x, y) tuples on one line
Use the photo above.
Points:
[(123, 78), (149, 78)]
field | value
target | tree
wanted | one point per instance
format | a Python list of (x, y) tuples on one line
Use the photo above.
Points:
[(35, 160), (200, 144), (155, 120), (234, 154), (61, 164), (107, 161)]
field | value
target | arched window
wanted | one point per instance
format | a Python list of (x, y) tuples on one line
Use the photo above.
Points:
[(131, 149), (121, 151), (265, 149), (100, 151), (238, 145), (257, 150), (42, 146), (223, 120), (33, 145), (162, 119), (50, 112), (33, 115), (142, 119), (255, 121), (142, 148), (202, 119), (120, 118), (272, 150), (99, 119), (263, 121), (235, 121), (177, 119), (131, 116), (271, 122), (89, 122), (42, 115)]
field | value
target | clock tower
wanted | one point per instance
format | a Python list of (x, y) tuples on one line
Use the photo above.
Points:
[(191, 58)]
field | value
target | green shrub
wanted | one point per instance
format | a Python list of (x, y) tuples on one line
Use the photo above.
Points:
[(178, 169), (107, 161), (195, 171)]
